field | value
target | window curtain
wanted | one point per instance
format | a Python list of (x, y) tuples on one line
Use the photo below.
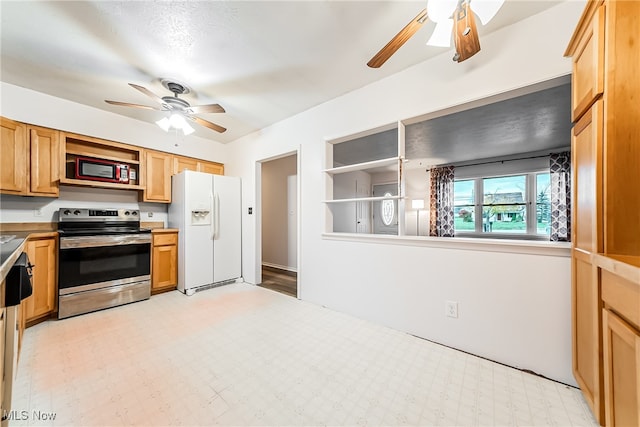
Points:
[(441, 202), (560, 170)]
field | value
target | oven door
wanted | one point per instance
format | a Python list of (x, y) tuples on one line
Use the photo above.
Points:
[(95, 261)]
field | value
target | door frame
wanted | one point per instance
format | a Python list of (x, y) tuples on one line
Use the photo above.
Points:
[(258, 214)]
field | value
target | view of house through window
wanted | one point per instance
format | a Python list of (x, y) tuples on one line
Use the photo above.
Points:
[(513, 204)]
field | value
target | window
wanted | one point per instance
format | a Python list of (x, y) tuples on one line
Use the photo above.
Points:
[(514, 206)]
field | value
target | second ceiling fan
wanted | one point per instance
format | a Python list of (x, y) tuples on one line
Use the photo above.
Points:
[(453, 18)]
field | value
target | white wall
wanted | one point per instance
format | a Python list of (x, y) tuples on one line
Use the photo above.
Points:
[(514, 308), (32, 107), (275, 211)]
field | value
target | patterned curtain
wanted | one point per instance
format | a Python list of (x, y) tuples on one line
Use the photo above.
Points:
[(560, 169), (441, 202)]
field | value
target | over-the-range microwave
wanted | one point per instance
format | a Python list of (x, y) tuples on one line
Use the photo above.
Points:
[(101, 170)]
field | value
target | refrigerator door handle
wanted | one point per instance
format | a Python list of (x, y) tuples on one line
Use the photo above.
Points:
[(212, 222), (216, 218)]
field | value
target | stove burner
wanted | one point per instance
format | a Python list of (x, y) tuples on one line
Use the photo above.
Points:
[(89, 222)]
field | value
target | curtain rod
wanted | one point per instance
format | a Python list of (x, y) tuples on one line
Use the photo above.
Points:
[(495, 161)]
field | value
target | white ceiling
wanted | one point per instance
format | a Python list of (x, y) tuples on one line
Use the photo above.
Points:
[(262, 61)]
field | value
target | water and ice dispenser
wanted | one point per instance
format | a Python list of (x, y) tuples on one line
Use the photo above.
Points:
[(200, 217)]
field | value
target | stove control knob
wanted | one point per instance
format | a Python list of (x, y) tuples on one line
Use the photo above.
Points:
[(134, 213), (76, 212), (126, 213), (66, 212)]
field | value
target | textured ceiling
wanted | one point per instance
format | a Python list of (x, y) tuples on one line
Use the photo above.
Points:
[(262, 61)]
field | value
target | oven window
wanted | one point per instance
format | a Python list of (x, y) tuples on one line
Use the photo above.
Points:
[(83, 266)]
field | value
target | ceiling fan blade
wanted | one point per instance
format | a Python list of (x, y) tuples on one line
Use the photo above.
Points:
[(127, 104), (441, 35), (465, 33), (208, 124), (211, 108), (405, 34), (148, 93)]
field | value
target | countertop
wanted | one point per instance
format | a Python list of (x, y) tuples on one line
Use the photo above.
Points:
[(13, 246), (9, 252)]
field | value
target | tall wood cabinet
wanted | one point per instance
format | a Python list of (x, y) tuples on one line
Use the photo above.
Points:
[(605, 50), (30, 159)]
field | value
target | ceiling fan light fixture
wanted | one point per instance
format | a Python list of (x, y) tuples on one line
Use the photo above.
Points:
[(164, 124), (187, 129), (175, 121), (441, 10), (486, 9), (441, 35)]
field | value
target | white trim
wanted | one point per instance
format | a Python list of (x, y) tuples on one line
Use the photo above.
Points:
[(391, 161), (365, 199), (531, 247), (279, 267)]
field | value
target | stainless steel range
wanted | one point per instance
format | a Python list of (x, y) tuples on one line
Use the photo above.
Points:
[(104, 260)]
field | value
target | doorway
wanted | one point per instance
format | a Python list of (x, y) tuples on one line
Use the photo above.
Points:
[(279, 224), (385, 212)]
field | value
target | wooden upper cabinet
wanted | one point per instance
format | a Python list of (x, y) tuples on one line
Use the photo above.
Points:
[(184, 163), (587, 50), (157, 182), (181, 163), (44, 161), (586, 149), (13, 146), (211, 167)]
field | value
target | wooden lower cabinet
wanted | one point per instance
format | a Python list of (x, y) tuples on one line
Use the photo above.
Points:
[(587, 337), (42, 253), (621, 371), (164, 264)]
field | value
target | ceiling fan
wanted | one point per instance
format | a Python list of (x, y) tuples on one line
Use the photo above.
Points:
[(179, 110), (453, 18)]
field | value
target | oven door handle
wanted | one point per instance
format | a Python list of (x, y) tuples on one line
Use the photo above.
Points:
[(107, 240)]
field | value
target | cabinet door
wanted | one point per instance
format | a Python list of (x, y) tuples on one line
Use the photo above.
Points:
[(165, 271), (586, 334), (157, 177), (211, 167), (42, 253), (184, 163), (621, 371), (586, 150), (44, 164), (588, 66), (13, 167)]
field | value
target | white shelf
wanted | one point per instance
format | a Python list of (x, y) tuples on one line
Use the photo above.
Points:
[(364, 199), (366, 165)]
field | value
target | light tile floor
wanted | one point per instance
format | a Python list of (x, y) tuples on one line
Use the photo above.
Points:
[(244, 355)]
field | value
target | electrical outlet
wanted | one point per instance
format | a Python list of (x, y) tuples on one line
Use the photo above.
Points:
[(451, 309), (150, 214), (37, 212)]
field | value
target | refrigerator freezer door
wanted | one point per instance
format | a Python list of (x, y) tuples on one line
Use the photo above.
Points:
[(227, 253), (198, 247)]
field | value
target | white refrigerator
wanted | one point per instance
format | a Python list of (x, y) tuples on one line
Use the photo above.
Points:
[(207, 210)]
